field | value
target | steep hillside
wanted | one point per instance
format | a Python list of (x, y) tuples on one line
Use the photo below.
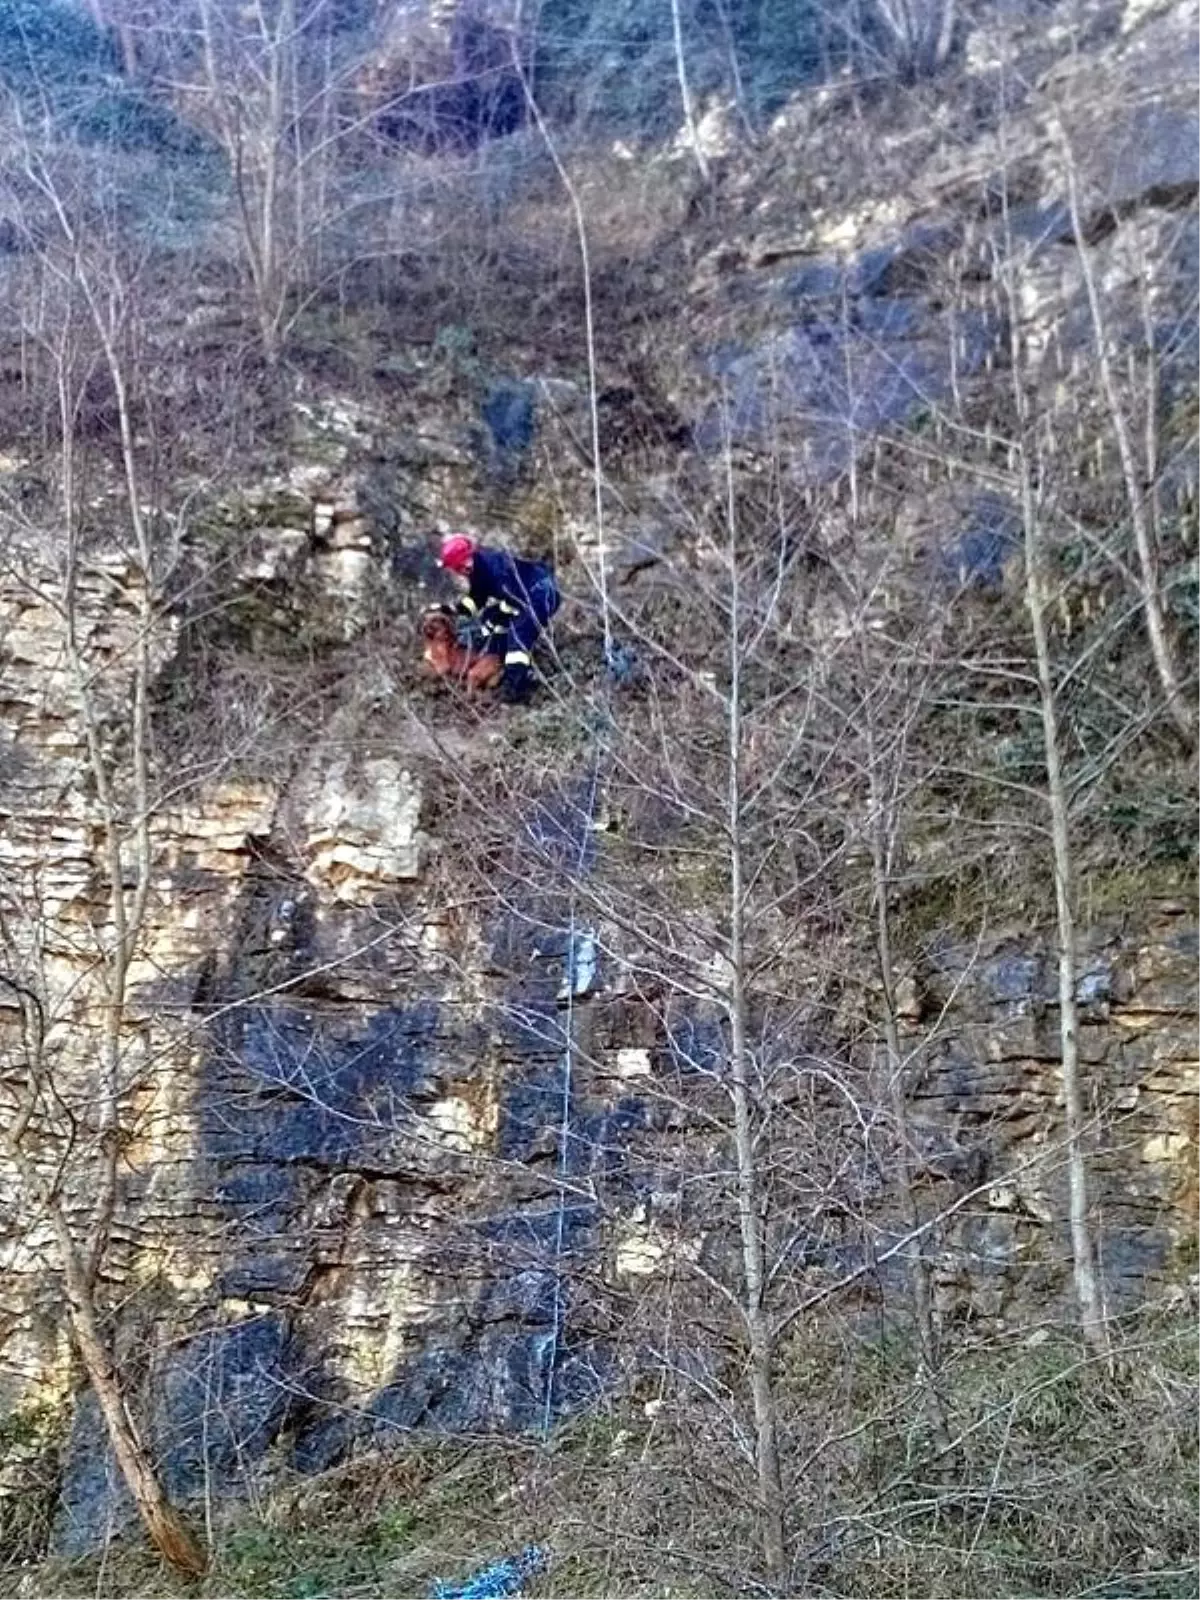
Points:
[(730, 1123)]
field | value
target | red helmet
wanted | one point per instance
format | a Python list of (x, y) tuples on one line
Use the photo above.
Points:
[(458, 551)]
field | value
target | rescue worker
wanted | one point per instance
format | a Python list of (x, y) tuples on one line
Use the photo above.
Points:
[(510, 600)]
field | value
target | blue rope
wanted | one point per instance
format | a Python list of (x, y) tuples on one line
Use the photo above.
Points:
[(564, 1134), (505, 1577), (572, 973)]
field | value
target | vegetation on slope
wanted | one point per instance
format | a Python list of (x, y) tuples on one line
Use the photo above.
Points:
[(848, 713), (1082, 1482)]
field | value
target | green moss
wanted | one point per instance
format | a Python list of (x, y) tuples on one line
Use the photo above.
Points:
[(221, 526), (1067, 1475), (26, 1428), (30, 1440)]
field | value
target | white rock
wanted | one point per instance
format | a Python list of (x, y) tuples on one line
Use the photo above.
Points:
[(1165, 1147), (278, 549), (351, 534), (633, 1063), (715, 132), (638, 1256), (363, 828), (456, 1124)]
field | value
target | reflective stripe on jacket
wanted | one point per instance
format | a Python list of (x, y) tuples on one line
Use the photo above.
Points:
[(508, 585)]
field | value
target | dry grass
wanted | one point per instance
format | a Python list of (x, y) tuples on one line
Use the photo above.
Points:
[(1066, 1478)]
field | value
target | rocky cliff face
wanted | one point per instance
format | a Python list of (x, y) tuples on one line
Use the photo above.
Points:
[(371, 1184), (996, 1086), (340, 1218)]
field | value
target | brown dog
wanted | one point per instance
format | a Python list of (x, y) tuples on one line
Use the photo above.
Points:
[(446, 658)]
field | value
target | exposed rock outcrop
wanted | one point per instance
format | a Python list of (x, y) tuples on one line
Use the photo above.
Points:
[(340, 1218), (393, 1161)]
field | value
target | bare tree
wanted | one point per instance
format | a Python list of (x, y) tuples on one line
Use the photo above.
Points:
[(685, 94), (272, 82), (1028, 459), (249, 76), (1138, 478), (751, 1221), (735, 779), (893, 687), (919, 33), (83, 318)]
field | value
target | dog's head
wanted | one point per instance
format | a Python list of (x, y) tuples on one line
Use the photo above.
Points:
[(437, 623), (441, 642)]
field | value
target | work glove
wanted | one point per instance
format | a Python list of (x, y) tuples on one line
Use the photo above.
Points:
[(517, 684)]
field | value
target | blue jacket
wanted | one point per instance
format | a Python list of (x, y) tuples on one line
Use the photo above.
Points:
[(511, 597), (505, 581)]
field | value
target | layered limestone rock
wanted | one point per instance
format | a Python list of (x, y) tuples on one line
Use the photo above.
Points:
[(349, 1104), (989, 1105), (369, 1179), (310, 1062), (859, 312)]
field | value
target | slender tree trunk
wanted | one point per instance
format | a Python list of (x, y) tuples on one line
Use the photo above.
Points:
[(881, 803), (750, 1223), (123, 32), (128, 913), (685, 94), (254, 172), (1136, 492), (1083, 1254), (81, 1258), (1087, 1291), (750, 1207), (945, 37), (735, 72), (162, 1522), (919, 1283), (271, 292)]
